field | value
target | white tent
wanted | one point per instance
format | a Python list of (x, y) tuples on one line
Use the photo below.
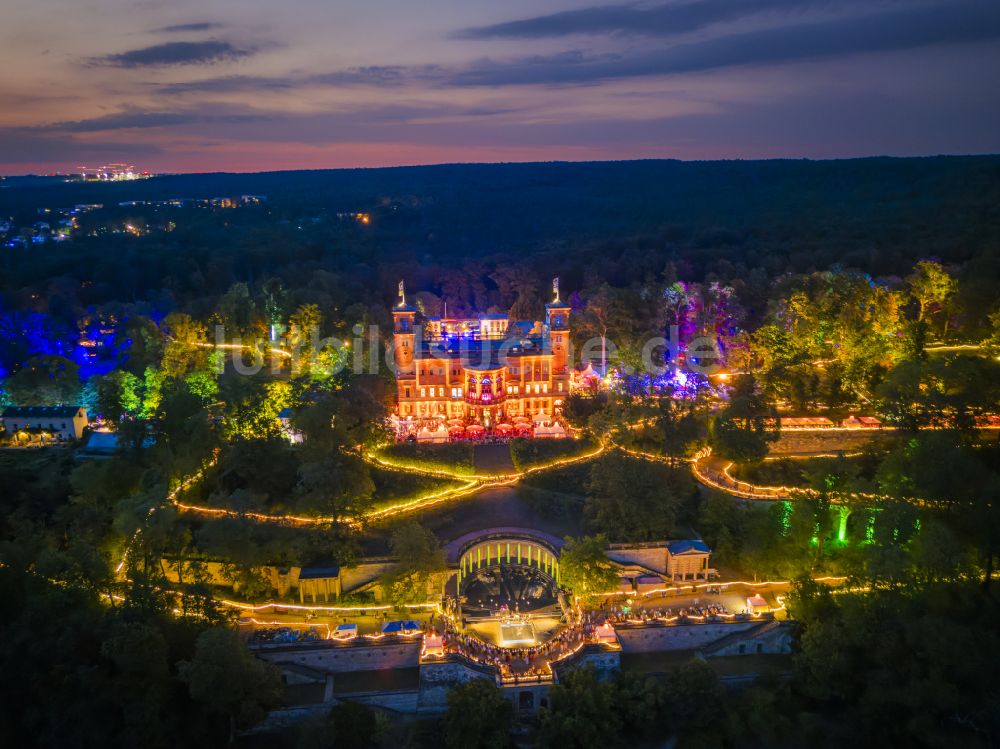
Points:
[(550, 430), (346, 631), (438, 434)]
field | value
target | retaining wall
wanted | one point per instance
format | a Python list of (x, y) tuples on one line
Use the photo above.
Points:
[(336, 658), (653, 638)]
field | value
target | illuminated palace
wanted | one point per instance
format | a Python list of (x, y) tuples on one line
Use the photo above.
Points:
[(485, 370)]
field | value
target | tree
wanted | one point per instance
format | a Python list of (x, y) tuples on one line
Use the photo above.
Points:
[(940, 392), (238, 314), (45, 381), (349, 725), (228, 680), (605, 311), (142, 344), (478, 716), (694, 700), (743, 430), (152, 392), (186, 347), (253, 406), (583, 714), (585, 569), (118, 395), (932, 287), (681, 429), (303, 336), (992, 342), (635, 500), (420, 558), (578, 408)]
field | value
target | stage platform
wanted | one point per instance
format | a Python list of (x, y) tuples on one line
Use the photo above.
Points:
[(517, 633)]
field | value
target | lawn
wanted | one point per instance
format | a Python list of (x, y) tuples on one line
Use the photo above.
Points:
[(451, 457), (805, 473)]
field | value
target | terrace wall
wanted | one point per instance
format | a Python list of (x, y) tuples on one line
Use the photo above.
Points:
[(438, 678), (651, 556), (653, 638), (338, 658), (792, 442)]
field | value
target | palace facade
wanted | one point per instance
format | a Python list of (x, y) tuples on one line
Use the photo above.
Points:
[(485, 370)]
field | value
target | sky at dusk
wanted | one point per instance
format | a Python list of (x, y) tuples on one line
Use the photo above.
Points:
[(248, 85)]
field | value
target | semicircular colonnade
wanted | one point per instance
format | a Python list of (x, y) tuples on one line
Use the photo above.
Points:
[(506, 546)]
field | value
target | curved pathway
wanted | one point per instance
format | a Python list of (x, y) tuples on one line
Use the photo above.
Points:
[(714, 472)]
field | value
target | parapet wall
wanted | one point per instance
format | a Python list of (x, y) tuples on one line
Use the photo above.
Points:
[(833, 441), (438, 678), (658, 637), (605, 661), (652, 557), (338, 658), (364, 572)]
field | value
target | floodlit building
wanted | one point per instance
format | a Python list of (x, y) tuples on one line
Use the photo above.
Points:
[(687, 560), (63, 423), (487, 370), (674, 561)]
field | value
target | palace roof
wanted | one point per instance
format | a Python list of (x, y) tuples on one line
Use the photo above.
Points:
[(483, 352), (318, 573), (687, 547), (40, 412)]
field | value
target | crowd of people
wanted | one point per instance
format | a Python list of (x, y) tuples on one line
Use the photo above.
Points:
[(623, 614), (523, 662)]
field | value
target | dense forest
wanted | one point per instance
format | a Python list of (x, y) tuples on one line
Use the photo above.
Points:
[(615, 221)]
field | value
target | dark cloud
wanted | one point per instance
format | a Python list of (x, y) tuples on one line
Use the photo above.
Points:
[(175, 53), (666, 19), (892, 29), (961, 21), (229, 84), (135, 119), (186, 27), (375, 75)]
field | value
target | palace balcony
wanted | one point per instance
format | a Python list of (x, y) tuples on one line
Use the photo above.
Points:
[(486, 399)]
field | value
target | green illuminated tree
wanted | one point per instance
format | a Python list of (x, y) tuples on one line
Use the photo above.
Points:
[(119, 395), (585, 569), (420, 558), (186, 346), (303, 333), (932, 287)]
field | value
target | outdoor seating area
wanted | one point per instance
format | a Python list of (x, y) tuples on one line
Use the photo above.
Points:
[(714, 612), (814, 423), (289, 635), (439, 430)]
